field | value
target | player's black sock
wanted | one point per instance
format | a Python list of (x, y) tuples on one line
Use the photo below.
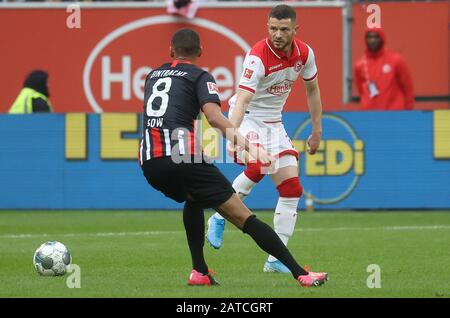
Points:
[(194, 224), (268, 240)]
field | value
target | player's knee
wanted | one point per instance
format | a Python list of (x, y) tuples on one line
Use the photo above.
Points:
[(290, 188), (253, 171)]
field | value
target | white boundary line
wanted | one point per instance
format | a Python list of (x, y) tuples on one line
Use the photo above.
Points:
[(156, 233), (139, 5)]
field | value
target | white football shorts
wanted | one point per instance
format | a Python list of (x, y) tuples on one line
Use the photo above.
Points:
[(272, 136)]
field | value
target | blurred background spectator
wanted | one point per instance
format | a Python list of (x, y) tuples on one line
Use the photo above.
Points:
[(185, 8), (33, 97), (382, 77)]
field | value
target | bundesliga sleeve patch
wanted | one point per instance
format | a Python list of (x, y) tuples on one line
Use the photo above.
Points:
[(248, 73), (212, 88)]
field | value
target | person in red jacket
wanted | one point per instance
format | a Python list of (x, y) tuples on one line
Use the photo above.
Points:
[(382, 76)]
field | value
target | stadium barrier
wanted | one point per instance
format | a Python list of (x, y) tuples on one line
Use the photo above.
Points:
[(371, 160), (100, 66)]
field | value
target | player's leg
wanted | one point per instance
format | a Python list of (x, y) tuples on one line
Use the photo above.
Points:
[(266, 238), (290, 190), (208, 187), (168, 177), (248, 179), (194, 224), (243, 184)]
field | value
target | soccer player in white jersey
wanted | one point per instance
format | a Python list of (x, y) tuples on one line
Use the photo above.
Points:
[(269, 70)]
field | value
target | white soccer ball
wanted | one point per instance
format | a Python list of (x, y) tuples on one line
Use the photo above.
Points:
[(52, 259)]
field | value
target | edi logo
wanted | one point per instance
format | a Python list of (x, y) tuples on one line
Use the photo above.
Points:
[(333, 173)]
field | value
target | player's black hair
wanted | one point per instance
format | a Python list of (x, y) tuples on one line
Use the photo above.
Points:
[(283, 11), (186, 42)]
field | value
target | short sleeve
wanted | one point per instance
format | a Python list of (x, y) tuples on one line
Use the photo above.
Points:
[(207, 90), (253, 72), (309, 70)]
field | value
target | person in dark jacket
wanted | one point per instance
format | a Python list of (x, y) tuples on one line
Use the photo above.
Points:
[(33, 97)]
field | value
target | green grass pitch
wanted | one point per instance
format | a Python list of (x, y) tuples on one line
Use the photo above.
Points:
[(145, 254)]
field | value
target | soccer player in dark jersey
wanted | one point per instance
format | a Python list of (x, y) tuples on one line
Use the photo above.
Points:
[(175, 93)]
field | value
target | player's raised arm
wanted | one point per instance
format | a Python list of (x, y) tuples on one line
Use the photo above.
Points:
[(315, 111), (230, 132), (243, 98)]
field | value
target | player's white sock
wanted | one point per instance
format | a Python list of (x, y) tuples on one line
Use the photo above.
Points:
[(284, 219), (242, 185)]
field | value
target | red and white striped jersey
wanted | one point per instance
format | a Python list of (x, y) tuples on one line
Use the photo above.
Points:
[(269, 74)]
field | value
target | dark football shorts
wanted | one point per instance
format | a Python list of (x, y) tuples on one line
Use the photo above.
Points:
[(202, 183)]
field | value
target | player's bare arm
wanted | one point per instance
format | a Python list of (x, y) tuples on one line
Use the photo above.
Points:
[(219, 121), (243, 98), (315, 111)]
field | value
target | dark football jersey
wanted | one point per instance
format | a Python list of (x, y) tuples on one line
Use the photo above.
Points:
[(174, 95)]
